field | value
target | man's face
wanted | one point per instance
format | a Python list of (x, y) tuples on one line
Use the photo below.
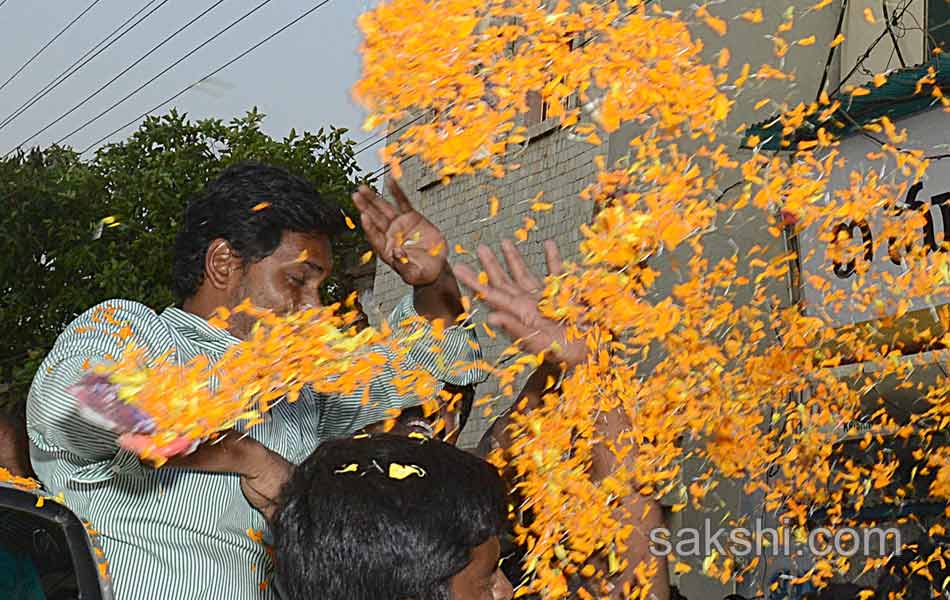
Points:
[(413, 420), (287, 281), (482, 579), (363, 321)]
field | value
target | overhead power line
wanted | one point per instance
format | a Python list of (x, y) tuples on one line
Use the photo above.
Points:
[(184, 90), (383, 170), (385, 135), (85, 59), (116, 78), (48, 44), (163, 72), (365, 148)]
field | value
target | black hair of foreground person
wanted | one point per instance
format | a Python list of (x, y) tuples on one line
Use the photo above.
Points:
[(388, 517)]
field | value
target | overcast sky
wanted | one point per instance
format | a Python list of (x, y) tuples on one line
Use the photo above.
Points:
[(300, 79)]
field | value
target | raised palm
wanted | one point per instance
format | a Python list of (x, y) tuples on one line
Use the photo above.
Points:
[(513, 298), (402, 238)]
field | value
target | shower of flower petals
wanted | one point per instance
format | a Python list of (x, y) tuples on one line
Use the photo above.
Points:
[(721, 375), (197, 400)]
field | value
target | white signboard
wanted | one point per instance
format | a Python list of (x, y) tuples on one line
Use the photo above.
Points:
[(929, 131)]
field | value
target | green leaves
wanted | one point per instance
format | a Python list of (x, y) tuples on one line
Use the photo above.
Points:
[(57, 258)]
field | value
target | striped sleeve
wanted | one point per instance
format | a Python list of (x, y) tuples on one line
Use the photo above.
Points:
[(456, 357), (346, 414), (57, 432)]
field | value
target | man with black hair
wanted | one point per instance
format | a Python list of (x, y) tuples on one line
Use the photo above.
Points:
[(446, 423), (389, 517), (258, 233), (512, 294)]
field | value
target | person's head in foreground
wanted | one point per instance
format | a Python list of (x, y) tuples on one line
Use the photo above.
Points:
[(387, 517), (256, 232)]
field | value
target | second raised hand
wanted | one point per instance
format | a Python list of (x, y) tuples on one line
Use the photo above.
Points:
[(402, 238), (513, 297)]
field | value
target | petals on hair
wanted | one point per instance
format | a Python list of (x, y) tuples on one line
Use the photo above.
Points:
[(398, 471)]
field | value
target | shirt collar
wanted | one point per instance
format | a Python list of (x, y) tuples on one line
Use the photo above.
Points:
[(194, 327)]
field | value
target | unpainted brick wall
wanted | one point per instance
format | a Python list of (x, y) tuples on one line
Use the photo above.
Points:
[(553, 162)]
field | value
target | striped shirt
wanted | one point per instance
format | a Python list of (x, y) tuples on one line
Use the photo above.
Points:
[(171, 533)]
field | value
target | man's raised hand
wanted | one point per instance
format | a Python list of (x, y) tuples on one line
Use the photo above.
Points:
[(401, 237), (513, 297)]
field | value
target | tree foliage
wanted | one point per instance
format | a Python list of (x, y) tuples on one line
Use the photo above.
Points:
[(77, 232)]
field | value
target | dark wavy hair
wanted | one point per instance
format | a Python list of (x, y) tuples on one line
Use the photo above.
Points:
[(226, 210), (362, 535)]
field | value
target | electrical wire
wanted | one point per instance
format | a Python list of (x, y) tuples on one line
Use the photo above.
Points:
[(867, 54), (163, 72), (116, 78), (832, 50), (378, 140), (383, 170), (890, 31), (208, 76), (385, 135), (48, 44), (85, 59)]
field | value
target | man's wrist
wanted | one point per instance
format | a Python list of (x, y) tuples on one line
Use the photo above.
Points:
[(233, 452), (253, 457), (263, 478), (441, 299)]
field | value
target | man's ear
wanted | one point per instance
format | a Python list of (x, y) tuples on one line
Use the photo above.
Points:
[(221, 264)]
